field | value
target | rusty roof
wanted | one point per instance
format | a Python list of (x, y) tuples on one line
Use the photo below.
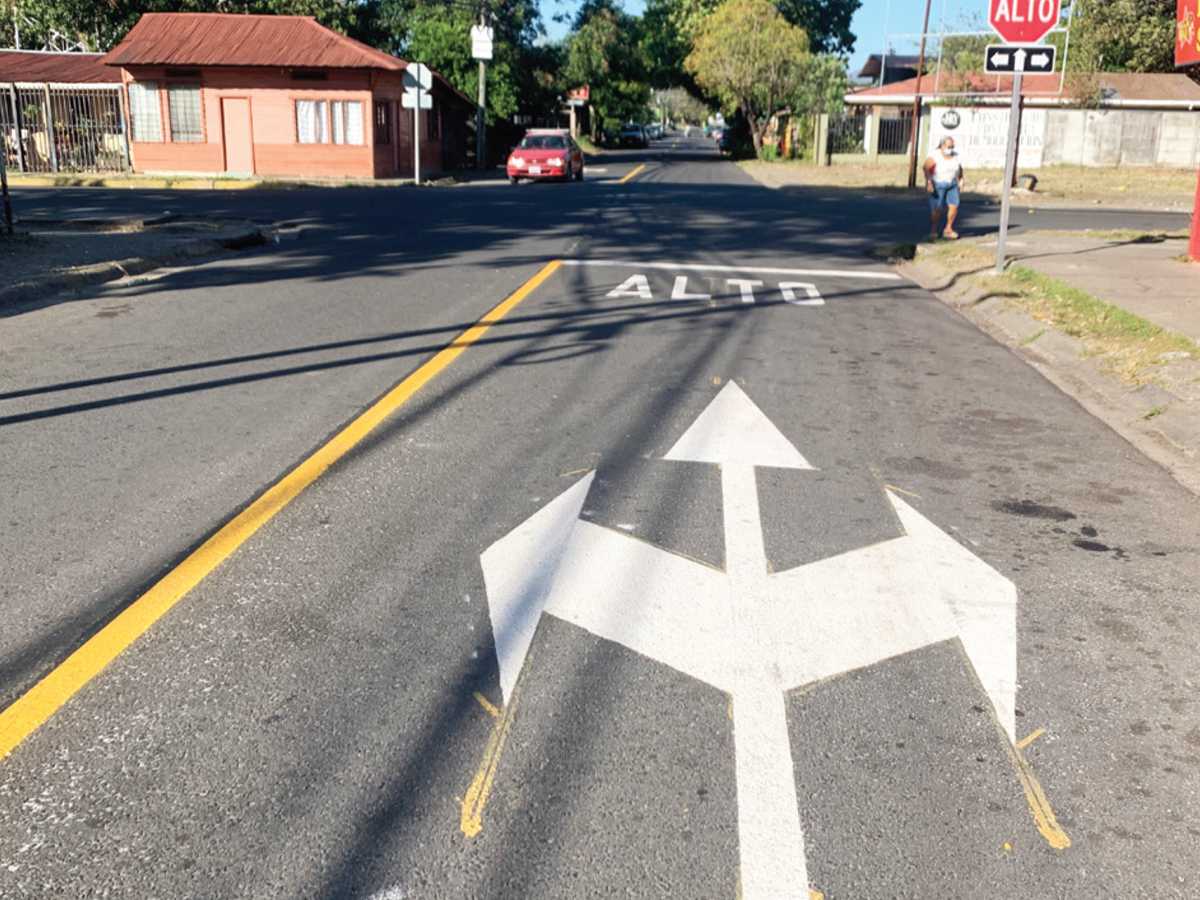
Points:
[(1137, 86), (232, 39), (58, 68)]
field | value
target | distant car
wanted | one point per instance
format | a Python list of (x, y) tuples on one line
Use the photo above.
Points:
[(654, 131), (717, 134), (546, 153), (634, 136)]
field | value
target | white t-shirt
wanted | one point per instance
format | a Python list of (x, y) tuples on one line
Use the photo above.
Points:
[(945, 168)]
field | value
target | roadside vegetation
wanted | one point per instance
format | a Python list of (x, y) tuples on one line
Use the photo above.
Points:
[(1127, 345)]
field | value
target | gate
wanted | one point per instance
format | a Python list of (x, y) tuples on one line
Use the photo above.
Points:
[(47, 128), (894, 134)]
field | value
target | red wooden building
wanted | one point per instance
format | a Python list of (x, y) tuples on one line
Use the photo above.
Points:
[(276, 95)]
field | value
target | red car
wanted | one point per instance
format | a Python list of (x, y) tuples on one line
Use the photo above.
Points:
[(546, 153)]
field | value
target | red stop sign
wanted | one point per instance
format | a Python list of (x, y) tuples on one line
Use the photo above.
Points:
[(1023, 21)]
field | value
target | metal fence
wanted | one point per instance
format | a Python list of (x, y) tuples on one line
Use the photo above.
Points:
[(47, 128), (894, 134), (847, 134)]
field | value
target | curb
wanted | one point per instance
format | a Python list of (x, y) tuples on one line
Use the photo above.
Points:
[(1172, 439), (100, 273)]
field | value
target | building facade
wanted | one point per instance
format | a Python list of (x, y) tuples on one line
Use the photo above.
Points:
[(214, 93)]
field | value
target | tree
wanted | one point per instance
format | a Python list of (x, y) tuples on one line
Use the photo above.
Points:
[(605, 54), (754, 60), (99, 26), (827, 24), (1123, 36)]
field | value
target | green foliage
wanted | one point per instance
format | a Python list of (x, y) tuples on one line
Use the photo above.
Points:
[(751, 58), (440, 37), (100, 25), (604, 53), (827, 24), (1123, 36)]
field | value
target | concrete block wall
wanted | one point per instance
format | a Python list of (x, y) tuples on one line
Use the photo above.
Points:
[(1179, 140)]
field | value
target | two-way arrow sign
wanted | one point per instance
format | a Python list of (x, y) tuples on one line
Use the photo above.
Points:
[(1003, 58), (747, 631)]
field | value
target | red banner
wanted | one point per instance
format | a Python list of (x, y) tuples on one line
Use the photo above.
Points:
[(1187, 33)]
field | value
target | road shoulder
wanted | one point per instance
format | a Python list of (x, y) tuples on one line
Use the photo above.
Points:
[(1140, 379)]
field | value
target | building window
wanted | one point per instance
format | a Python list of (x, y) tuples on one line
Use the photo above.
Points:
[(347, 122), (433, 124), (183, 101), (312, 124), (383, 123), (145, 111)]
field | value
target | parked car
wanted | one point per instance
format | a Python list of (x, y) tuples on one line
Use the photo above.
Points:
[(633, 135), (546, 153), (654, 131)]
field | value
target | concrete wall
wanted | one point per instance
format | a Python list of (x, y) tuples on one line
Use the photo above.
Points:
[(1081, 137)]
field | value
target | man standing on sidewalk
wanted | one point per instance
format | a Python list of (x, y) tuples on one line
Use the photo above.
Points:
[(943, 180)]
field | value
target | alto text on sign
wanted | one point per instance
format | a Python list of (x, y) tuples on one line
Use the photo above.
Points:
[(1024, 21)]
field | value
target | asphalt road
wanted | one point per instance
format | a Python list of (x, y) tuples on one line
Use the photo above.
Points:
[(709, 477)]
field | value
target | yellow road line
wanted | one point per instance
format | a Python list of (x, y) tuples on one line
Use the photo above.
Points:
[(629, 176), (30, 711), (471, 818), (487, 705), (1030, 738), (1039, 806)]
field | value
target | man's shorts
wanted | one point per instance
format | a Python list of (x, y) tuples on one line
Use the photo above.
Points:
[(944, 194)]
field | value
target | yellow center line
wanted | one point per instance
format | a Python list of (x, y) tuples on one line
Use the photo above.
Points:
[(30, 711), (629, 176)]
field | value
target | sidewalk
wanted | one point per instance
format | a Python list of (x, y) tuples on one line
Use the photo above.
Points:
[(1144, 274), (1112, 318)]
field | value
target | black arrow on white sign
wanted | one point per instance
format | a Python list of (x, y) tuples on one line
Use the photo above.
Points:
[(1003, 58)]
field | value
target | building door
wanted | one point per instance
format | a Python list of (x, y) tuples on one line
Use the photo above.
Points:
[(239, 141)]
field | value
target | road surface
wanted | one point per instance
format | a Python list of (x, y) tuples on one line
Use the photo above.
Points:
[(715, 559)]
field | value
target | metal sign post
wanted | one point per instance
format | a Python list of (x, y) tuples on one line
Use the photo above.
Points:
[(417, 82), (1010, 155)]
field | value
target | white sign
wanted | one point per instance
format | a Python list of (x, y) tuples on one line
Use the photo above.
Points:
[(981, 135), (411, 98), (481, 41), (747, 631), (418, 75)]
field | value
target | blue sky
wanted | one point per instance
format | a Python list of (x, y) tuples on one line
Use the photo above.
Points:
[(874, 20)]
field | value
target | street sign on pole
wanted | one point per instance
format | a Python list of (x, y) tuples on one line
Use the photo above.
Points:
[(417, 82), (1010, 156), (1001, 59), (481, 41), (1024, 21)]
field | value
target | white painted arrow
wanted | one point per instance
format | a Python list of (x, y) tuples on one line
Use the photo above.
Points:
[(748, 632)]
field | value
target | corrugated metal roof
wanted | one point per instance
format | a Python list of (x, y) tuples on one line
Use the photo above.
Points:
[(63, 68), (230, 39), (1146, 87)]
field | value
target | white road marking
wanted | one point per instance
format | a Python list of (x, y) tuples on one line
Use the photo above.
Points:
[(788, 290), (680, 291), (633, 286), (752, 270), (753, 634), (746, 286)]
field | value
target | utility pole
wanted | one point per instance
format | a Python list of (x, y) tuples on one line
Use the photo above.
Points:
[(481, 49), (914, 132)]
